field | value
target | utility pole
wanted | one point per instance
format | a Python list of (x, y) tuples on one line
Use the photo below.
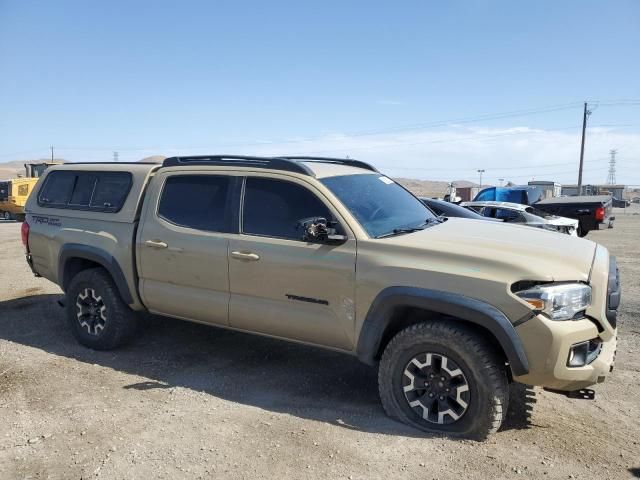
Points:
[(115, 157), (51, 153), (480, 171), (501, 180), (585, 114), (611, 178)]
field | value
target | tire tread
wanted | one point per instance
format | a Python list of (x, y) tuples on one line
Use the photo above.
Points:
[(447, 333)]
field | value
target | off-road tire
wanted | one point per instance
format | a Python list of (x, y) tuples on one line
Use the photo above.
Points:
[(581, 232), (119, 324), (482, 367)]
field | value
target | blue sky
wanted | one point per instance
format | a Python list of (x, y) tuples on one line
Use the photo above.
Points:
[(422, 80)]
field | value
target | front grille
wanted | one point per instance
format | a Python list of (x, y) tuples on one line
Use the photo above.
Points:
[(613, 293)]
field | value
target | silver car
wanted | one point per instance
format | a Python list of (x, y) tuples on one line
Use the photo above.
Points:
[(525, 215)]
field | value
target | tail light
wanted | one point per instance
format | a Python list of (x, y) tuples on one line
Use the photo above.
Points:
[(600, 213), (24, 232)]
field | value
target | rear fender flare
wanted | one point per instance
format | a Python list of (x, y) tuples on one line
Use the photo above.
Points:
[(70, 251)]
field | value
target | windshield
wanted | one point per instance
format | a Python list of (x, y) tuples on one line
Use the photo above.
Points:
[(379, 204)]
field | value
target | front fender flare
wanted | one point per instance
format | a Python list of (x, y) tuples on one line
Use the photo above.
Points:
[(459, 306)]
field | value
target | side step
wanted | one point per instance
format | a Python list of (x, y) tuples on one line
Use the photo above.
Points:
[(583, 394)]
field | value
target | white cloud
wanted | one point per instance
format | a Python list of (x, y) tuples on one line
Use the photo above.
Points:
[(518, 153), (456, 152)]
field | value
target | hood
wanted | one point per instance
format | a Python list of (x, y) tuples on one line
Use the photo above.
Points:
[(497, 251)]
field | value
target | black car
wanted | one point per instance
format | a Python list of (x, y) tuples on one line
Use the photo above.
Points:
[(447, 209)]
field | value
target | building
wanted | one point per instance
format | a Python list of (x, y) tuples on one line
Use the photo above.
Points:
[(466, 194), (550, 189), (616, 190)]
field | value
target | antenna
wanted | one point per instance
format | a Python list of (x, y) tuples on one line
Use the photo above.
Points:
[(611, 178)]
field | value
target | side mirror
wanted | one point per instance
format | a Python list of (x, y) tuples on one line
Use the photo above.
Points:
[(319, 230)]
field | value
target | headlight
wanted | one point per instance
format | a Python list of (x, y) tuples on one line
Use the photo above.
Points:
[(560, 301)]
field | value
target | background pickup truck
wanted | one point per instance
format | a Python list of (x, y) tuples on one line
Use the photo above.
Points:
[(592, 212)]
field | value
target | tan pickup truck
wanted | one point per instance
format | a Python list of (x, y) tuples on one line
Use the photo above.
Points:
[(330, 252)]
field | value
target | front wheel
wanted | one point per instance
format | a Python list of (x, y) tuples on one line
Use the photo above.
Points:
[(443, 377)]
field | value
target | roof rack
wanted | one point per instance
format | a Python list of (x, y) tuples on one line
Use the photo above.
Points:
[(341, 161), (105, 163), (276, 163)]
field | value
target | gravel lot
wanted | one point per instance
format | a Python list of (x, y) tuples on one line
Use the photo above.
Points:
[(189, 401)]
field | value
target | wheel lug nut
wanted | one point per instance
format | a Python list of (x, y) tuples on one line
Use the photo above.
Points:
[(448, 390), (431, 395), (431, 375), (441, 397), (442, 379)]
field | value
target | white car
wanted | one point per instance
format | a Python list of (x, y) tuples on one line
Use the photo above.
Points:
[(525, 215)]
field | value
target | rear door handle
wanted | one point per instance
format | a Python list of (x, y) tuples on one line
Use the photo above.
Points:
[(245, 256), (156, 244)]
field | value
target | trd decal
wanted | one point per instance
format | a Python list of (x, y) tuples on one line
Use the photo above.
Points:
[(54, 222), (307, 299)]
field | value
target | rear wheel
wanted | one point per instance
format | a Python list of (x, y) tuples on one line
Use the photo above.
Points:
[(443, 377), (98, 317), (581, 231)]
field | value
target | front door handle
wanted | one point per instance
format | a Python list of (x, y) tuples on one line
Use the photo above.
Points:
[(245, 256), (156, 244)]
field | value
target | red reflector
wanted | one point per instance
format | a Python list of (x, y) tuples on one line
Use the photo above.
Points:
[(24, 232), (600, 213)]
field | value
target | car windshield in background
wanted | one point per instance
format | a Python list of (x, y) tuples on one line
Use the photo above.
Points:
[(379, 204)]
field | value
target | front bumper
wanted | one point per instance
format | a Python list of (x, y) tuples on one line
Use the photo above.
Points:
[(547, 347), (547, 343)]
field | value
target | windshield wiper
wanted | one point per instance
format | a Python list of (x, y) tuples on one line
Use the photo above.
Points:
[(399, 231)]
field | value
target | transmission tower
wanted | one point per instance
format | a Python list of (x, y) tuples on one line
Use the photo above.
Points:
[(611, 178), (115, 157)]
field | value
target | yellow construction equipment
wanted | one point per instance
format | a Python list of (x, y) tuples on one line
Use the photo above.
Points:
[(14, 192)]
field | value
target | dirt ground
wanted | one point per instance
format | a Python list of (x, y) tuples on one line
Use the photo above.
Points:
[(189, 401)]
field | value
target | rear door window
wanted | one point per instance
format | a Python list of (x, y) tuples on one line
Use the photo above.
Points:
[(196, 201)]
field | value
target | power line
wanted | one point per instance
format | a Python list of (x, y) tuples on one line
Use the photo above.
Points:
[(396, 129), (411, 127), (493, 167)]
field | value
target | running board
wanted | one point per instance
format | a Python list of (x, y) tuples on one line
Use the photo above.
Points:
[(583, 394)]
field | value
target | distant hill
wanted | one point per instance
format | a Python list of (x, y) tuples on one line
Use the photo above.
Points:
[(428, 188), (16, 167), (153, 159)]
